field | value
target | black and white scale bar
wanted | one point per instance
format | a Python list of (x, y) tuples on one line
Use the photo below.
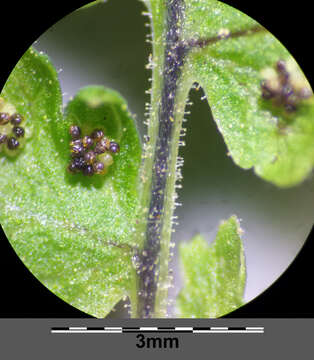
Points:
[(147, 329)]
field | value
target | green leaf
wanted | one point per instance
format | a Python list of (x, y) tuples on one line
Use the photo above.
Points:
[(229, 54), (90, 4), (72, 231), (215, 274)]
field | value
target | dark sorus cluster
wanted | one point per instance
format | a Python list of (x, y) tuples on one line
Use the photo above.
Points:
[(91, 154), (285, 85), (11, 131)]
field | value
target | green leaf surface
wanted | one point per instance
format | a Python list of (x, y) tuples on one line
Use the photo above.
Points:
[(90, 4), (258, 133), (227, 55), (72, 231), (214, 275)]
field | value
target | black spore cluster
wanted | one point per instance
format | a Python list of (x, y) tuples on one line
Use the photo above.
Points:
[(285, 88), (11, 131), (91, 154)]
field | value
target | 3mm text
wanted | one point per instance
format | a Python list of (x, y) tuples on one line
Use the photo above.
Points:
[(156, 342)]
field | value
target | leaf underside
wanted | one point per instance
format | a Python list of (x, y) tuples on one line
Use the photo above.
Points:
[(258, 133), (72, 231), (214, 275), (227, 55)]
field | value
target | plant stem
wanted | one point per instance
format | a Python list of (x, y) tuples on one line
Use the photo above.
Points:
[(164, 131), (160, 168)]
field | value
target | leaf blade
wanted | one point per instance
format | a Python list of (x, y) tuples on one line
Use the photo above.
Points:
[(215, 274), (229, 68), (74, 234)]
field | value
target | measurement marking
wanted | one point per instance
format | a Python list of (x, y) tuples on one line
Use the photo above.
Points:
[(89, 332), (204, 331), (181, 328), (256, 331), (160, 331), (153, 329), (130, 329), (242, 332), (76, 331), (228, 331), (85, 331)]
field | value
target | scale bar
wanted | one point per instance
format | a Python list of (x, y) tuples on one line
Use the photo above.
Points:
[(147, 329), (227, 332)]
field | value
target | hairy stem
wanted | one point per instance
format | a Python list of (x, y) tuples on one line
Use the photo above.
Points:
[(160, 167), (163, 172)]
